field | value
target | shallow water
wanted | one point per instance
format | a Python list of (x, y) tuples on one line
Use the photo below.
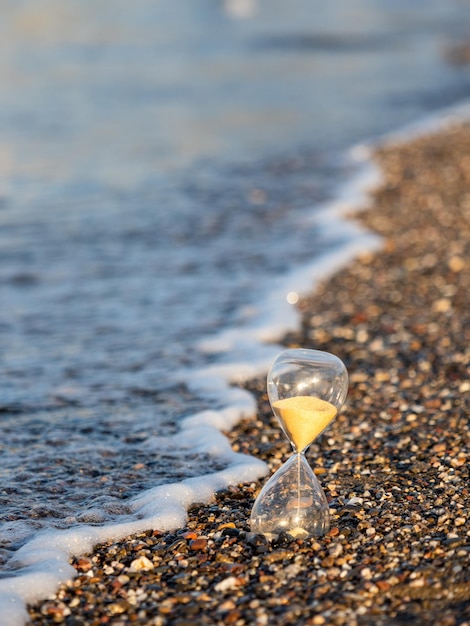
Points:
[(160, 164)]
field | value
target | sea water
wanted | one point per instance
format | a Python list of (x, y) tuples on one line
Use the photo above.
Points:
[(172, 177)]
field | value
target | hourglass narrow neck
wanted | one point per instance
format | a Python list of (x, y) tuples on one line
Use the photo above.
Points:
[(299, 452)]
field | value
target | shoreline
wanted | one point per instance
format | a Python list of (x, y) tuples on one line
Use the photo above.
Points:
[(393, 464)]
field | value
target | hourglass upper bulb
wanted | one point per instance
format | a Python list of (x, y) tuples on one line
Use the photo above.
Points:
[(306, 390)]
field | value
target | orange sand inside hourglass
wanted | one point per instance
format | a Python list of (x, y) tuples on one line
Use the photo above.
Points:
[(304, 417)]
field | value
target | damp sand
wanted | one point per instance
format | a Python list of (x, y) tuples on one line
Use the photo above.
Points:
[(394, 463)]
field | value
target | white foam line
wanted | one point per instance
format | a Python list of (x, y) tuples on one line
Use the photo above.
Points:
[(429, 124), (43, 563)]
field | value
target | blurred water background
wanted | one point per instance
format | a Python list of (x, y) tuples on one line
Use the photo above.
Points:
[(159, 165)]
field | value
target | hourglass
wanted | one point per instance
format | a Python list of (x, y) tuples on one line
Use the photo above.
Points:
[(306, 389)]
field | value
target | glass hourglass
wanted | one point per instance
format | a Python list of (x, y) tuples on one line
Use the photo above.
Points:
[(306, 389)]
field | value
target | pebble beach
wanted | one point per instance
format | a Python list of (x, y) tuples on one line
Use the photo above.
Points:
[(394, 463)]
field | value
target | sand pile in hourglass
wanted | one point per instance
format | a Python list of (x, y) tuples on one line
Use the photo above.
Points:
[(304, 418)]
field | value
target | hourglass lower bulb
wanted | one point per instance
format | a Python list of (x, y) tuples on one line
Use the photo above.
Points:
[(306, 389)]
